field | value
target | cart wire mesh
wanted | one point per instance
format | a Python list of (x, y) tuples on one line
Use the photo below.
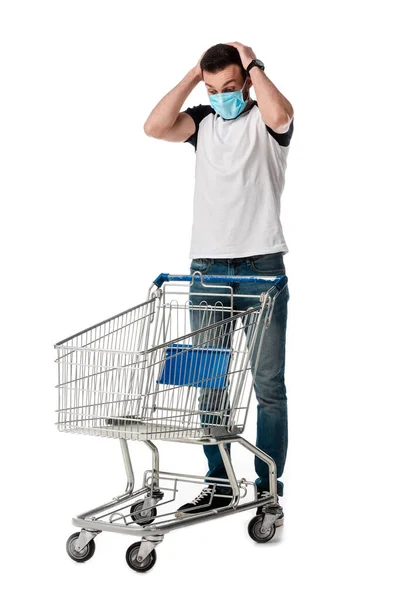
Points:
[(145, 374)]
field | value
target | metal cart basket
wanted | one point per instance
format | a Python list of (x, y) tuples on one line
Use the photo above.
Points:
[(148, 373)]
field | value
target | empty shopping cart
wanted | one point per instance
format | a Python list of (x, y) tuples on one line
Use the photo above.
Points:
[(145, 374)]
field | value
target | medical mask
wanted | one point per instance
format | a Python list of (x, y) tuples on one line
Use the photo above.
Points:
[(229, 104)]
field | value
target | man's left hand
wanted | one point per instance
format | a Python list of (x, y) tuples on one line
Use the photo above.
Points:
[(246, 53)]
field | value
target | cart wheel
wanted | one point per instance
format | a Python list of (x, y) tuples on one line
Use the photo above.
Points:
[(79, 555), (255, 532), (133, 563), (148, 518)]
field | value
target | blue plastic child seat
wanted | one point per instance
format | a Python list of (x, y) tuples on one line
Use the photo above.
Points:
[(201, 367)]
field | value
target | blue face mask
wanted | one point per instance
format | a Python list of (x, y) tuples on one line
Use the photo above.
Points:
[(229, 104)]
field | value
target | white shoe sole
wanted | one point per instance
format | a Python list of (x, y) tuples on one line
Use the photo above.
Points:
[(180, 515)]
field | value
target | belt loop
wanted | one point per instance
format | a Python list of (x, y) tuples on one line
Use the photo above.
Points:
[(212, 261), (248, 261)]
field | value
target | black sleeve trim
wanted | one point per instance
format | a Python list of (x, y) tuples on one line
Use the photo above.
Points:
[(197, 113), (283, 139)]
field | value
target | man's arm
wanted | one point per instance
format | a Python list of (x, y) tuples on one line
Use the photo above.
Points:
[(275, 109), (165, 122)]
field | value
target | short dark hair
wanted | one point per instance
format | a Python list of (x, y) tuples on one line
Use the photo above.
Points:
[(220, 56)]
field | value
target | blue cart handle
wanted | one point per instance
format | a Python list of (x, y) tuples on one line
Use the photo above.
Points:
[(279, 281)]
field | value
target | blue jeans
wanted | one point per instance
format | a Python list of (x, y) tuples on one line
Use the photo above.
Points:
[(269, 382)]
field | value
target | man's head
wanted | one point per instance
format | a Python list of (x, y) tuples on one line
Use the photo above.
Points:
[(223, 71)]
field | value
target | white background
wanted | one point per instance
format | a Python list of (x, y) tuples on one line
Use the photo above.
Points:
[(93, 210)]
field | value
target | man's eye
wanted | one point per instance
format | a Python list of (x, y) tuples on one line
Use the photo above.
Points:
[(225, 90)]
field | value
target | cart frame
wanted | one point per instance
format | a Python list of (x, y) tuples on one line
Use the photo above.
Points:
[(141, 556)]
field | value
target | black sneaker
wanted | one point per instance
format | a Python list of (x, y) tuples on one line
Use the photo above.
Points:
[(206, 500), (264, 494)]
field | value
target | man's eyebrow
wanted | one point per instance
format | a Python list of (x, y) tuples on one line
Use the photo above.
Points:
[(229, 80)]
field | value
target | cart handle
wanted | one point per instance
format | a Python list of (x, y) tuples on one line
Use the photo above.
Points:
[(279, 281)]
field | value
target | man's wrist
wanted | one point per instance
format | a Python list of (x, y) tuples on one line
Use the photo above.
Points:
[(254, 66), (195, 75)]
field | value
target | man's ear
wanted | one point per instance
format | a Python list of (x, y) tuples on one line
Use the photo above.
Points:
[(249, 85), (249, 82)]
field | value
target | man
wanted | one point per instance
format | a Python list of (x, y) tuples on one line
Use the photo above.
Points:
[(241, 149)]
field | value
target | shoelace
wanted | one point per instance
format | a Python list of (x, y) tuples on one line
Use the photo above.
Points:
[(263, 494), (205, 492)]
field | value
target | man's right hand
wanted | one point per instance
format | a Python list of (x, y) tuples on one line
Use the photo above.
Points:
[(197, 67)]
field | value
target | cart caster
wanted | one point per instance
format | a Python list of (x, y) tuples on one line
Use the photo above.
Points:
[(149, 513), (146, 564), (79, 555), (255, 532)]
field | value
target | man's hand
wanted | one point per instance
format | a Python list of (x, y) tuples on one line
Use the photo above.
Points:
[(246, 53), (276, 110), (197, 68)]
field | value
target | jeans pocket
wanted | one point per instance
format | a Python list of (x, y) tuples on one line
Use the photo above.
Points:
[(200, 264), (268, 264)]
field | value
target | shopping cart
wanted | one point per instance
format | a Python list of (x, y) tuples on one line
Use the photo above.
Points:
[(147, 374)]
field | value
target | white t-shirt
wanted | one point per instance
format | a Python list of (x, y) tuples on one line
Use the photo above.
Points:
[(239, 179)]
